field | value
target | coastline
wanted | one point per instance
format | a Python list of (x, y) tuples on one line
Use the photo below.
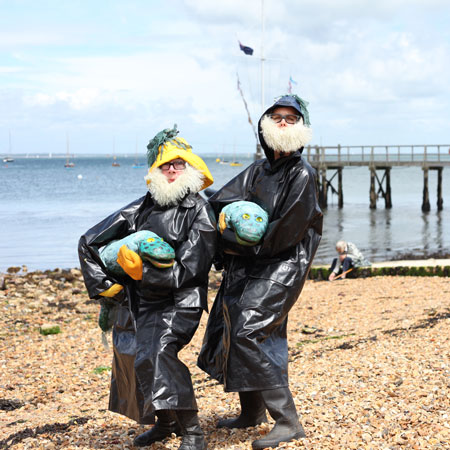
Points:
[(369, 367)]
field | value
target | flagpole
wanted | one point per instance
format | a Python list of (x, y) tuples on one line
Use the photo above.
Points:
[(262, 56), (258, 154)]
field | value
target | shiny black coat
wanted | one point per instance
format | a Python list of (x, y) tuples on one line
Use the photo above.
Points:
[(245, 345), (159, 314)]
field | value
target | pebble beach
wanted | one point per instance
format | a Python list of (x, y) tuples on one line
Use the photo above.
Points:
[(369, 367)]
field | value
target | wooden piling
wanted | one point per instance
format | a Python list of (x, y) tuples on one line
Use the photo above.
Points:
[(324, 183), (387, 197), (372, 194), (340, 190), (426, 198), (440, 200)]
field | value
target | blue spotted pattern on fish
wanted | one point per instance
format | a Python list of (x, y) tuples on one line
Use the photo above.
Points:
[(247, 219), (148, 245)]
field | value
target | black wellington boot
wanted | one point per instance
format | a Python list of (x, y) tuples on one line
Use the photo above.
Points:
[(193, 437), (253, 412), (281, 407), (164, 427)]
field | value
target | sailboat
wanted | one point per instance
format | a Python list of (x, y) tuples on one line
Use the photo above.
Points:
[(9, 159), (137, 164), (69, 164), (235, 163), (115, 163)]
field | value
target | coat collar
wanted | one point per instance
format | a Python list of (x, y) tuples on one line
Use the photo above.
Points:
[(285, 161)]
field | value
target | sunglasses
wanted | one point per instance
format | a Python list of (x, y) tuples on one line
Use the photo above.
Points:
[(178, 164), (289, 118)]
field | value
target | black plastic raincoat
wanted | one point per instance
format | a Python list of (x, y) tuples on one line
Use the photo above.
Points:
[(245, 344), (159, 314)]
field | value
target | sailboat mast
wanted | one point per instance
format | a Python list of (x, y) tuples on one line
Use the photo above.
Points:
[(67, 148), (259, 154), (262, 56)]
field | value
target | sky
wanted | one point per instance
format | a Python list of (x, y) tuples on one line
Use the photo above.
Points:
[(105, 76)]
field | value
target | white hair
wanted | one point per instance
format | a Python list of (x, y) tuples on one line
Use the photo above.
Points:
[(341, 246), (165, 193), (285, 139)]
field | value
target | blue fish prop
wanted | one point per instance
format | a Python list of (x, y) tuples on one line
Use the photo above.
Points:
[(247, 219), (148, 245)]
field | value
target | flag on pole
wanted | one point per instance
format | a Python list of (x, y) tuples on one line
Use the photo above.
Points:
[(245, 49), (291, 81)]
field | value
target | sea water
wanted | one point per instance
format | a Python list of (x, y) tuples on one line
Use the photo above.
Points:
[(45, 208)]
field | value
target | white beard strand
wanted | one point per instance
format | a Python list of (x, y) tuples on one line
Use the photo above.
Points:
[(165, 193), (286, 139)]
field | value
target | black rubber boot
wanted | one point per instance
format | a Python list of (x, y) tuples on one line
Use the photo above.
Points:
[(193, 437), (281, 407), (164, 427), (253, 412)]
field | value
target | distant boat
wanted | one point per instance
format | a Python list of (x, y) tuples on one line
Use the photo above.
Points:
[(114, 163), (9, 159), (137, 164), (235, 163), (69, 164)]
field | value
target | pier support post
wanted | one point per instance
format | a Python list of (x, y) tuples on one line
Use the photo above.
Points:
[(324, 186), (372, 194), (440, 200), (387, 197), (340, 190), (426, 197)]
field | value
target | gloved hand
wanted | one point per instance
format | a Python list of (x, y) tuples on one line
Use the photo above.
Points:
[(130, 262), (107, 315), (222, 222), (112, 291)]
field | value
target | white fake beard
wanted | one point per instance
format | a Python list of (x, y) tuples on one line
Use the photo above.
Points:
[(285, 139), (165, 193)]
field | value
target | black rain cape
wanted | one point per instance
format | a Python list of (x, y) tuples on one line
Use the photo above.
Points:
[(159, 314), (245, 343)]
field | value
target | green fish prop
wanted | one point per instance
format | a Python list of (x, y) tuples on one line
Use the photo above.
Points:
[(247, 219), (148, 245)]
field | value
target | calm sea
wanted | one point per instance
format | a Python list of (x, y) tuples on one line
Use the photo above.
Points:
[(46, 207)]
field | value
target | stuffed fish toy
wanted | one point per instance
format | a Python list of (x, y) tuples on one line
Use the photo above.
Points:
[(247, 219), (148, 245)]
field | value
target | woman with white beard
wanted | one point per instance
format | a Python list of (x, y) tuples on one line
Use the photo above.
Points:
[(159, 309), (245, 344)]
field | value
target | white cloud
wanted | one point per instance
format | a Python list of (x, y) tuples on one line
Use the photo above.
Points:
[(362, 65)]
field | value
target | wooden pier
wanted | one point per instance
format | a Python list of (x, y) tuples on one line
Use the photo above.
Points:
[(381, 159)]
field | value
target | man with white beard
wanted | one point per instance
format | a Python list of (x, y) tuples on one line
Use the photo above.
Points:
[(245, 344)]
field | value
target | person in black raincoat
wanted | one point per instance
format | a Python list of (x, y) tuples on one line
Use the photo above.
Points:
[(159, 309), (245, 343)]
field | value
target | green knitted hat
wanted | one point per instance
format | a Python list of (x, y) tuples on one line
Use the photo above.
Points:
[(162, 137)]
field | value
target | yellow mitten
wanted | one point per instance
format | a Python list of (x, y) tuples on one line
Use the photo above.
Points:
[(130, 262), (222, 222), (112, 291)]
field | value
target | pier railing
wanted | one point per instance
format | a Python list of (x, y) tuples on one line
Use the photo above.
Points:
[(368, 155)]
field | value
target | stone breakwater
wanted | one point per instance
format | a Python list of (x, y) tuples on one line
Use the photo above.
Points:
[(369, 367)]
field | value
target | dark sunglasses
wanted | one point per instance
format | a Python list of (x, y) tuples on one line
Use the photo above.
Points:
[(289, 118), (178, 164)]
